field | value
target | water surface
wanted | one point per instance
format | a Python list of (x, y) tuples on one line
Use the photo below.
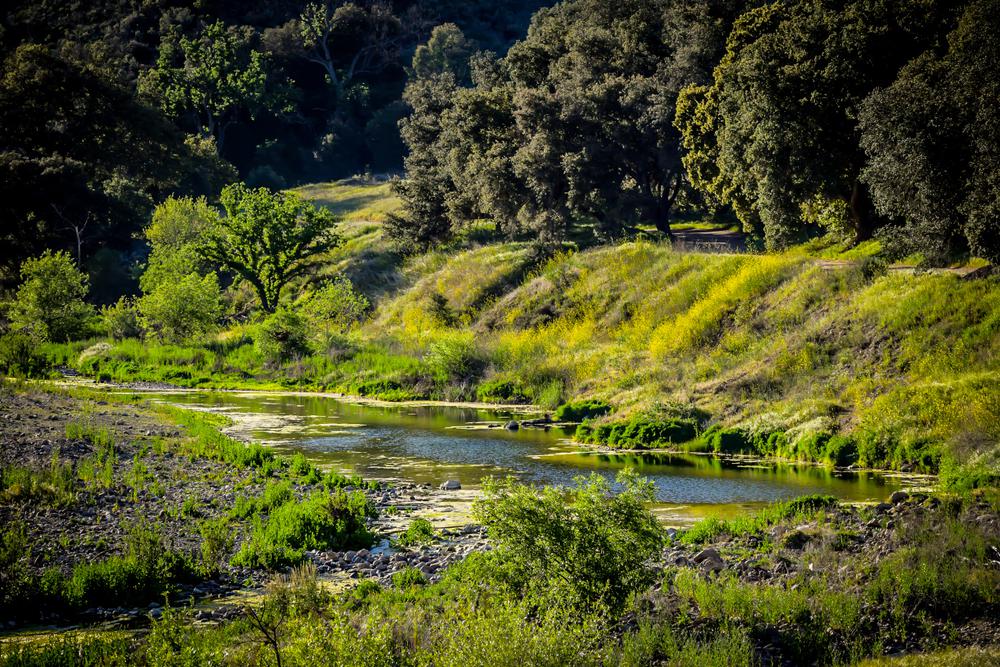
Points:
[(429, 444)]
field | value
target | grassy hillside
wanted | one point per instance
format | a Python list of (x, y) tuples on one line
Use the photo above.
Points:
[(786, 355)]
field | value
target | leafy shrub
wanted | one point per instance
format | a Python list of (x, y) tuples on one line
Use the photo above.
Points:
[(637, 432), (216, 543), (500, 390), (577, 411), (336, 307), (145, 571), (592, 541), (420, 531), (841, 450), (726, 440), (121, 320), (322, 521), (299, 466), (50, 300), (282, 336), (182, 309), (408, 577), (455, 358), (19, 356)]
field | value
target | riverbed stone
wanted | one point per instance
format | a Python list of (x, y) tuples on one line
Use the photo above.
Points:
[(451, 485)]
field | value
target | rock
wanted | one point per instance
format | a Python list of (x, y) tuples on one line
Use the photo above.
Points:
[(795, 539), (899, 497), (450, 485), (706, 554), (512, 425), (883, 507)]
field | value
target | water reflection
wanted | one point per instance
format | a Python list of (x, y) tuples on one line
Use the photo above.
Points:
[(428, 444)]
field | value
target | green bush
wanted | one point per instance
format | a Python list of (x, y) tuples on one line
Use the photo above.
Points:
[(20, 356), (841, 450), (408, 577), (145, 571), (50, 300), (455, 358), (335, 308), (321, 521), (727, 440), (121, 320), (577, 411), (499, 390), (182, 309), (420, 531), (588, 540), (282, 336), (637, 432)]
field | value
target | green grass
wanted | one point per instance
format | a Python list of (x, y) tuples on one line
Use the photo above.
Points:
[(353, 199), (52, 485), (755, 524)]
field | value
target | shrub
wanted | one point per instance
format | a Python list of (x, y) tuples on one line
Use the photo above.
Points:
[(588, 539), (336, 307), (19, 356), (322, 521), (455, 358), (216, 543), (420, 531), (499, 390), (579, 410), (637, 432), (182, 309), (121, 320), (727, 440), (145, 571), (408, 577), (281, 336), (50, 298), (841, 450)]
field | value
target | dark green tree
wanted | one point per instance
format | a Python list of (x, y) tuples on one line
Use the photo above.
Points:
[(932, 140), (81, 161), (267, 238), (211, 78), (447, 50), (776, 133), (424, 220)]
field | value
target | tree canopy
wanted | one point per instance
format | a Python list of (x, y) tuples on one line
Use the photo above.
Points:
[(267, 238)]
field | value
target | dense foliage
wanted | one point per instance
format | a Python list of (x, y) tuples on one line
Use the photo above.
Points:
[(109, 106)]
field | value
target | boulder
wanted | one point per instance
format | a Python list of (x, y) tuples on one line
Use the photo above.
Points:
[(898, 497), (450, 485), (512, 425)]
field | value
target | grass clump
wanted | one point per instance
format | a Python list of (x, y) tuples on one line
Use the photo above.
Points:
[(54, 485), (802, 508), (577, 411)]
